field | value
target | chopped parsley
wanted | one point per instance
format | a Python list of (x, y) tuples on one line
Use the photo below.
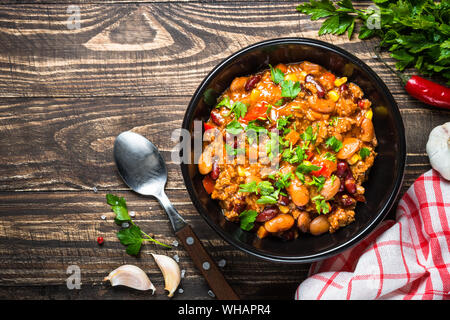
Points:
[(330, 156), (334, 144), (276, 75), (224, 102), (364, 153), (234, 127), (239, 109), (247, 219), (232, 151), (321, 205), (318, 182), (132, 237)]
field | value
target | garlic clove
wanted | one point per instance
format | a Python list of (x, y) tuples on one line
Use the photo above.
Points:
[(130, 276), (170, 270), (438, 149)]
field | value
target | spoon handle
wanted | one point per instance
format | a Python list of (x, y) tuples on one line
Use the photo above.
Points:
[(206, 264), (197, 252)]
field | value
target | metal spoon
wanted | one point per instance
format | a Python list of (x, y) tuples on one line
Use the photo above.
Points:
[(143, 169)]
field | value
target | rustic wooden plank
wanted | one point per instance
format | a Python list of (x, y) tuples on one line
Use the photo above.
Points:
[(41, 234), (142, 49), (66, 143)]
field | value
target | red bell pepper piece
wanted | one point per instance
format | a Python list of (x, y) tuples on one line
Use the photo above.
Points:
[(208, 184), (256, 112), (208, 126)]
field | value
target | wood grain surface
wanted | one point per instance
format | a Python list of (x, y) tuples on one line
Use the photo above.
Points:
[(65, 94)]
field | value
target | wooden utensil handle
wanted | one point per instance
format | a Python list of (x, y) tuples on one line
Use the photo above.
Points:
[(205, 264)]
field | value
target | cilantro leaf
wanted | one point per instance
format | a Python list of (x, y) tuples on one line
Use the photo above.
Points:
[(234, 127), (290, 89), (334, 144), (224, 102), (306, 168), (364, 153), (247, 219), (276, 75), (239, 109), (267, 200), (265, 188), (317, 10), (248, 187), (232, 151)]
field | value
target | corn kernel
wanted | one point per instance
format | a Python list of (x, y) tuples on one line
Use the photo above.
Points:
[(241, 171), (302, 75), (354, 159), (333, 95), (369, 114), (254, 95), (340, 81), (291, 76), (284, 209)]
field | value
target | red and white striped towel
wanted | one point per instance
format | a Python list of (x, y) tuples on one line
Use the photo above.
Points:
[(404, 259)]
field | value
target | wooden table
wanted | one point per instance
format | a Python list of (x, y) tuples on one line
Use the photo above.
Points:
[(66, 93)]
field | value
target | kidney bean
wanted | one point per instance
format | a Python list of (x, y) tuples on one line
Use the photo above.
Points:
[(342, 169), (214, 174), (239, 207), (252, 82), (350, 185), (268, 213), (320, 90), (283, 200), (342, 186)]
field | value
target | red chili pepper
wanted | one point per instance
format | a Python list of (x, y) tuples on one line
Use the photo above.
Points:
[(422, 89), (100, 240), (428, 91)]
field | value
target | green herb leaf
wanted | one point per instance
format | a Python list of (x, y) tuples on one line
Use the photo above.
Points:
[(321, 205), (247, 219), (131, 237), (364, 153), (306, 168), (265, 188), (290, 89), (233, 152), (267, 200), (224, 102), (248, 187), (239, 109), (334, 144), (234, 127), (276, 75), (317, 9), (318, 182)]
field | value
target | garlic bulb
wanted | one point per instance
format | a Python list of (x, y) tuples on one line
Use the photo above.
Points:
[(170, 270), (438, 149), (130, 276)]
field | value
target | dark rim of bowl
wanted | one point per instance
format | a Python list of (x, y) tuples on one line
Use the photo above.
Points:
[(401, 163)]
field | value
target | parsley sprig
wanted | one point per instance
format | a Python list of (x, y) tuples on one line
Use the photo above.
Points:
[(132, 237), (416, 33)]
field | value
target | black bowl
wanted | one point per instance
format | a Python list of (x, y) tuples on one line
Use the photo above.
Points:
[(385, 177)]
